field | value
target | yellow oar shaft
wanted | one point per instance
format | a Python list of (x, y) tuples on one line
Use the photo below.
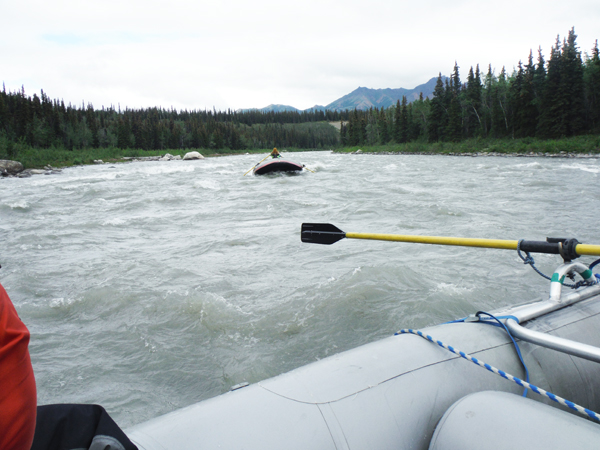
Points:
[(257, 164), (438, 240), (581, 249), (588, 249)]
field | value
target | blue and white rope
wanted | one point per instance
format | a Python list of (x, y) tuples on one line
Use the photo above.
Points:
[(537, 390)]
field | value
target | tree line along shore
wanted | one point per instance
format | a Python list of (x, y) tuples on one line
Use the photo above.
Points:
[(543, 108), (556, 99)]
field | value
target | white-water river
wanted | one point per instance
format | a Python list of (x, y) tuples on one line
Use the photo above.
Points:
[(149, 286)]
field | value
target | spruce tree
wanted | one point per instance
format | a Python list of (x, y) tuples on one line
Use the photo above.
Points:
[(572, 87), (473, 124), (90, 121), (539, 80), (363, 130), (382, 126), (57, 123), (486, 103), (403, 121), (551, 124), (3, 113), (357, 130), (454, 126), (398, 122), (419, 110), (351, 137), (414, 125), (592, 90), (499, 117), (35, 106), (435, 120), (22, 115), (515, 101), (527, 115)]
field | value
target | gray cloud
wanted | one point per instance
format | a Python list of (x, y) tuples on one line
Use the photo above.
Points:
[(240, 54)]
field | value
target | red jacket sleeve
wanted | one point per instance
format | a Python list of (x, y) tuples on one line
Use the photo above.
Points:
[(18, 400)]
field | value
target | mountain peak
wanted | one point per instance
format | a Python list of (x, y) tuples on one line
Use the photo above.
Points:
[(364, 98)]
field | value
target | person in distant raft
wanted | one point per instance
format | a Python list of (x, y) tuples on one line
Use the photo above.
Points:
[(18, 396), (275, 153)]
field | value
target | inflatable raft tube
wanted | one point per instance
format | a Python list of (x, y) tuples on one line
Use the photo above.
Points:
[(511, 422), (389, 394), (277, 165)]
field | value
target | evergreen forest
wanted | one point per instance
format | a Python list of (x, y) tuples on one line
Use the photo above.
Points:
[(41, 122), (541, 99), (556, 99)]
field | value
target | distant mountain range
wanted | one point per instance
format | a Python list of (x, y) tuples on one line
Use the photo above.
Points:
[(364, 98)]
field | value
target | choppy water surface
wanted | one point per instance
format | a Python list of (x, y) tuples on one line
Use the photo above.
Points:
[(150, 286)]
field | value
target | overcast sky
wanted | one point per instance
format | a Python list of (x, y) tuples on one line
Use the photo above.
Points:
[(244, 54)]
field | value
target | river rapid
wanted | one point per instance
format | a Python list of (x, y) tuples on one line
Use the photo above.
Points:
[(149, 286)]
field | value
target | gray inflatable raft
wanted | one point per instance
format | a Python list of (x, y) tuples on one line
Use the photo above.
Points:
[(405, 392)]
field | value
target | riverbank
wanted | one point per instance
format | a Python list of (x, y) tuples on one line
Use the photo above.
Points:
[(476, 154), (578, 146), (38, 158)]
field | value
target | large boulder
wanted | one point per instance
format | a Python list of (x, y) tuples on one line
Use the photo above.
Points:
[(193, 155), (8, 167)]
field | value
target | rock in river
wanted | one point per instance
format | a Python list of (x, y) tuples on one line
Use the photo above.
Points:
[(8, 167), (193, 155)]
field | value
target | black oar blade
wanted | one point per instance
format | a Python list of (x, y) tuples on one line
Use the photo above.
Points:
[(321, 233)]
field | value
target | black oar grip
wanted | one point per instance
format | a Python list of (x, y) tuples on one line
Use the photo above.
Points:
[(540, 247), (567, 248)]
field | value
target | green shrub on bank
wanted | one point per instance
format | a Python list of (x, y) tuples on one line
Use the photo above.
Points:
[(578, 144), (59, 157)]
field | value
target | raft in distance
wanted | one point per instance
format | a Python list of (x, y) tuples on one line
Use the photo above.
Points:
[(277, 165)]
